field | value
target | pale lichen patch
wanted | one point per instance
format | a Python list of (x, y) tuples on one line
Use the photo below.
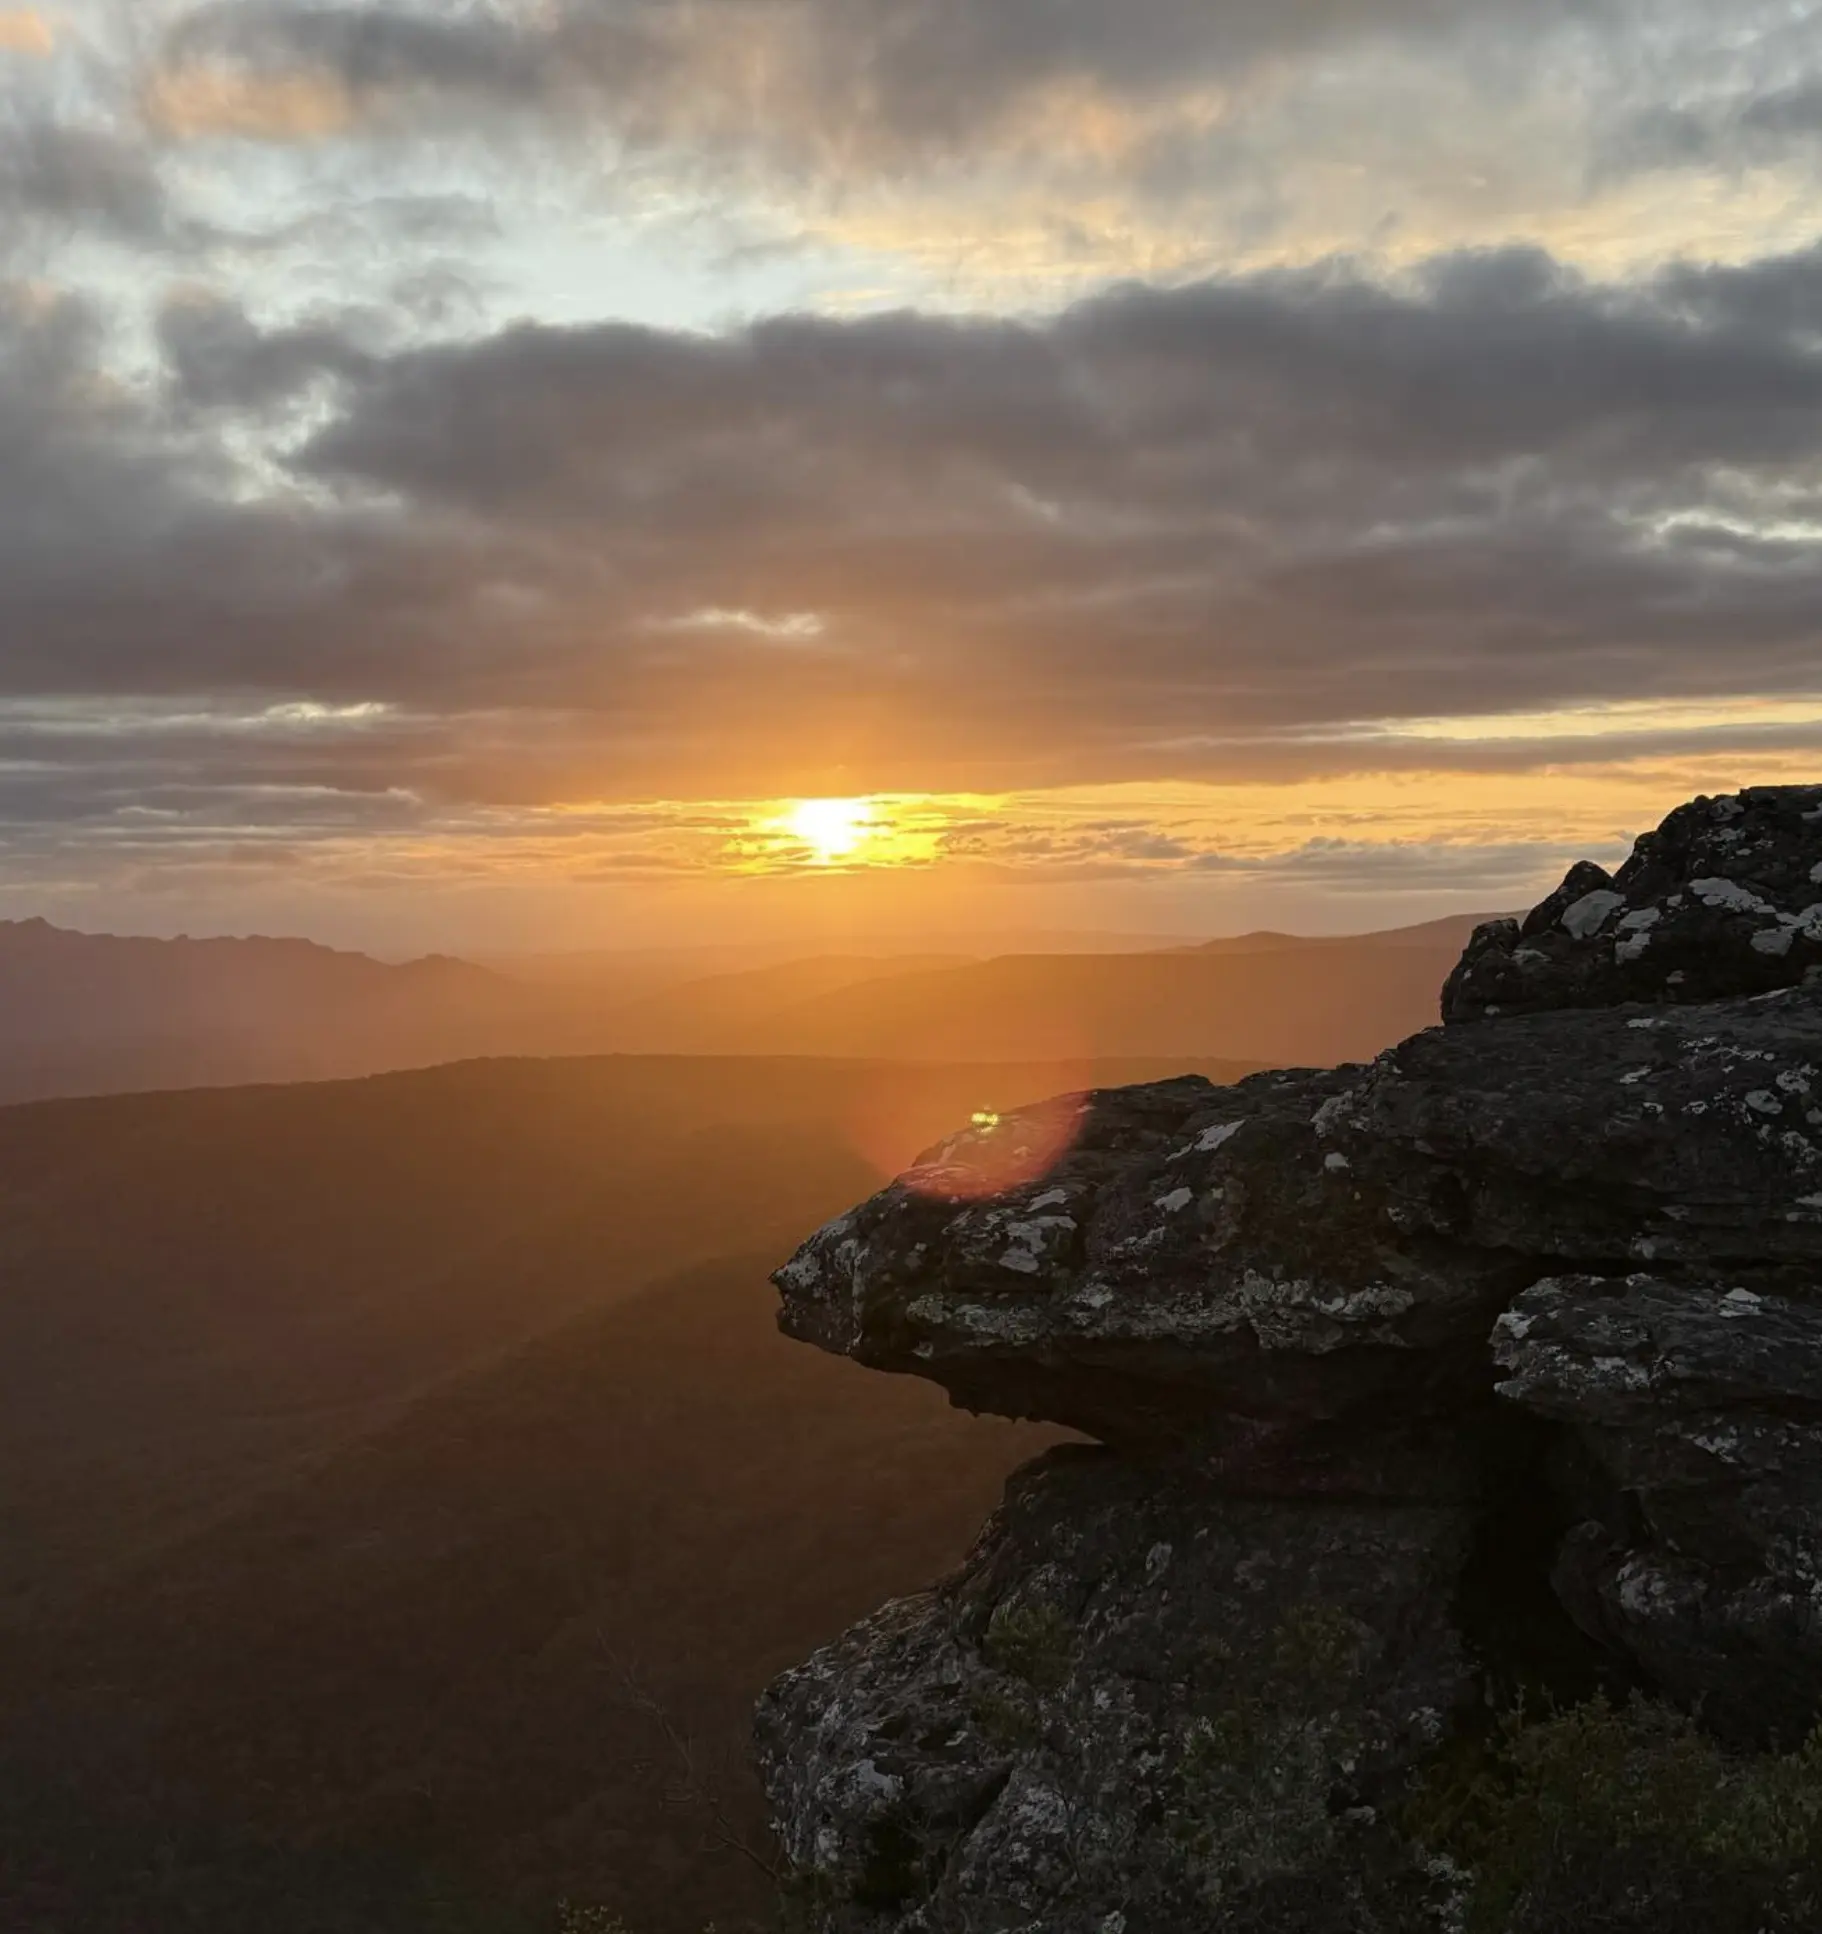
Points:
[(1591, 912), (1728, 895)]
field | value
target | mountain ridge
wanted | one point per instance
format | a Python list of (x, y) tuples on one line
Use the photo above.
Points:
[(99, 1013)]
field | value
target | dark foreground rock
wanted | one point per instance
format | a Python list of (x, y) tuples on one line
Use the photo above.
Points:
[(1699, 1406), (1289, 1283), (1546, 1289), (1724, 898), (1138, 1704)]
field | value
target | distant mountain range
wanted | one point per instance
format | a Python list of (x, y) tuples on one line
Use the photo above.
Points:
[(196, 1289), (1450, 934), (1271, 998), (92, 1013)]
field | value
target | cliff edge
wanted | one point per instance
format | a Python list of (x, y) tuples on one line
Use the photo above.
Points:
[(1490, 1372)]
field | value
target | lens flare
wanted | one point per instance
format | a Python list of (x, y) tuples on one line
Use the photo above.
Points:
[(998, 1153)]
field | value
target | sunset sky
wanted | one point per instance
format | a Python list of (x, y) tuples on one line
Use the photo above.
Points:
[(472, 471)]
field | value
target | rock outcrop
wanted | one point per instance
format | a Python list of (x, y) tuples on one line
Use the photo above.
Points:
[(1699, 1550), (1725, 898), (1499, 1360), (1136, 1695)]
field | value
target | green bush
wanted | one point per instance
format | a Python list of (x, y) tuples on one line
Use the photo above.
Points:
[(1007, 1721), (1035, 1643), (1603, 1820)]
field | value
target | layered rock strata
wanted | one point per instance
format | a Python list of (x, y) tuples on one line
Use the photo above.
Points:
[(1534, 1299)]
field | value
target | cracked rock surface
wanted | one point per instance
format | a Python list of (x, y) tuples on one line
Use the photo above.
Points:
[(1528, 1311)]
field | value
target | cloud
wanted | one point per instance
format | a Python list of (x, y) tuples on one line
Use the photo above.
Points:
[(1078, 135), (987, 152), (192, 103), (1164, 535), (853, 75), (1307, 485), (24, 31), (1751, 128), (1280, 502), (219, 359), (77, 178)]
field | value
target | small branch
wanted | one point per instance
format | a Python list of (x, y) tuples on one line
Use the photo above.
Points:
[(697, 1788)]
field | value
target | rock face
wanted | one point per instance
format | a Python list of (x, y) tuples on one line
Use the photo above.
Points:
[(1527, 1314), (1071, 1730), (1724, 898), (1701, 1552)]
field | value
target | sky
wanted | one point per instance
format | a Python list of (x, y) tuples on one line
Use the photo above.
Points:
[(474, 471)]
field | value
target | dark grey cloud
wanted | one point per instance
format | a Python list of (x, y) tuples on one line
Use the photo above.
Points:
[(1752, 126), (843, 79), (1282, 393), (219, 359), (375, 52), (1167, 533), (74, 178)]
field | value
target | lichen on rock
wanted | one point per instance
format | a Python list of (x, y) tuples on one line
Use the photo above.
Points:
[(1699, 1408), (1723, 899), (1206, 1703), (1495, 1363)]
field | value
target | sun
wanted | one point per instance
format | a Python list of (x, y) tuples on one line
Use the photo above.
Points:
[(831, 828)]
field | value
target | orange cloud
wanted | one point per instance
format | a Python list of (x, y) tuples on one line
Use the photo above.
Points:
[(196, 103), (26, 32)]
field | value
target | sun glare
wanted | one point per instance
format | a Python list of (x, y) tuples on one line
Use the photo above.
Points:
[(831, 828)]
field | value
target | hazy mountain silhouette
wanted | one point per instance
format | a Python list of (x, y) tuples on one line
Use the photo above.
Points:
[(98, 1014), (740, 1009), (344, 1445), (1449, 933), (95, 1014), (1294, 1002), (84, 1013), (343, 1448)]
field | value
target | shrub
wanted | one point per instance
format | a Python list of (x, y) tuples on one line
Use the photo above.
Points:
[(1603, 1819), (1033, 1642), (1007, 1721)]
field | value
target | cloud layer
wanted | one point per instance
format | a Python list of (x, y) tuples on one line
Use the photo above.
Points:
[(345, 501), (952, 552)]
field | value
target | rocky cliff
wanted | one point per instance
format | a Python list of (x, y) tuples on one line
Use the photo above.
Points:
[(1491, 1369)]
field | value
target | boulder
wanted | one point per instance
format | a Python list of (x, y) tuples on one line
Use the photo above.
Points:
[(1140, 1705), (1698, 1406), (1200, 1278), (1724, 898), (1289, 1283)]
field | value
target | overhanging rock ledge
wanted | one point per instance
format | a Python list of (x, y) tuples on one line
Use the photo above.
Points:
[(1406, 1376)]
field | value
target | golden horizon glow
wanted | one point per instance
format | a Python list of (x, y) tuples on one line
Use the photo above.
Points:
[(1314, 852), (833, 829), (1489, 837)]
